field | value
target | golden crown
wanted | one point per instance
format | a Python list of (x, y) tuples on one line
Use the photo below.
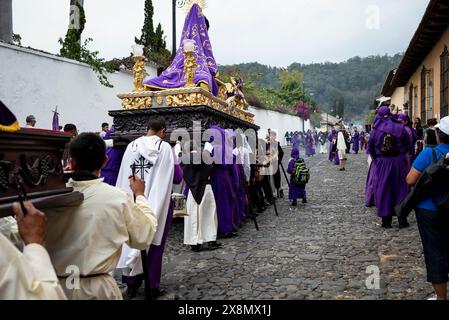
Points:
[(190, 3)]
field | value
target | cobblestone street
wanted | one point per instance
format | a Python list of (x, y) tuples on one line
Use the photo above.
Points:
[(320, 250)]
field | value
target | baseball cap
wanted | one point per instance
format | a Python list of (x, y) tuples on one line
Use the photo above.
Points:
[(444, 125)]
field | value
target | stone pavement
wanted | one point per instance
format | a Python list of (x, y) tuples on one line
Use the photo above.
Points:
[(321, 250)]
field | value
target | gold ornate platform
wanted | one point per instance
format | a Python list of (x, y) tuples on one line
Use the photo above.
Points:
[(182, 97)]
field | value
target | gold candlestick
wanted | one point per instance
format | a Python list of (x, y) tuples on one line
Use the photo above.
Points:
[(190, 67), (139, 72)]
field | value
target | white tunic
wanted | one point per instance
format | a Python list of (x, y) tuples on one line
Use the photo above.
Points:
[(158, 190), (202, 223), (88, 238), (28, 275)]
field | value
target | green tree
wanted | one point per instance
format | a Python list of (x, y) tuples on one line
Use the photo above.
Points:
[(147, 38), (154, 41), (72, 48)]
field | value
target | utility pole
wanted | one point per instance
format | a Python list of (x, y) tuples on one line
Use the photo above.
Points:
[(6, 21)]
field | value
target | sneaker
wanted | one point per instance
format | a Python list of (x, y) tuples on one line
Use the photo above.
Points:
[(432, 298)]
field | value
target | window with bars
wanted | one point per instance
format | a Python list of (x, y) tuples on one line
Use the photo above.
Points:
[(444, 82), (424, 95), (416, 102)]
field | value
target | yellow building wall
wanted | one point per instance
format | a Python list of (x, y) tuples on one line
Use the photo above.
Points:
[(432, 61), (398, 99)]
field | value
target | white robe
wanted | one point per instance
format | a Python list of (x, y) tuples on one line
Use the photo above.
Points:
[(158, 190), (87, 239), (244, 153), (28, 275), (201, 225)]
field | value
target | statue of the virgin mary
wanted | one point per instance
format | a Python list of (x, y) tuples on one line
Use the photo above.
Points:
[(196, 29)]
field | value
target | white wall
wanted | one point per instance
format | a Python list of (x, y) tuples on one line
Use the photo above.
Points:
[(276, 121), (34, 83)]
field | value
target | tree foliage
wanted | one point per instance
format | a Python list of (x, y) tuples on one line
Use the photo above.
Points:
[(72, 48), (154, 40), (358, 81)]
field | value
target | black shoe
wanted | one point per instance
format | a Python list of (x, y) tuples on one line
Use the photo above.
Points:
[(156, 293), (131, 293), (196, 248), (304, 200), (213, 246), (294, 203), (403, 223), (230, 235), (281, 193)]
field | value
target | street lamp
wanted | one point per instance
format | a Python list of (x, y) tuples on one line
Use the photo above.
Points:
[(179, 4)]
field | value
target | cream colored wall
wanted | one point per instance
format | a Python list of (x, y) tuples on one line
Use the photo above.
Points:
[(432, 61), (398, 99)]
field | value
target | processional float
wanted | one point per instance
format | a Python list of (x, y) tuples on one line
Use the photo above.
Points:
[(188, 90)]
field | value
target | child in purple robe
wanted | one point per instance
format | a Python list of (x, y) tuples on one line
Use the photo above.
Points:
[(295, 191)]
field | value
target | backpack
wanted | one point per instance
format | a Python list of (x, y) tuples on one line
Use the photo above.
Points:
[(389, 145), (427, 186), (301, 174)]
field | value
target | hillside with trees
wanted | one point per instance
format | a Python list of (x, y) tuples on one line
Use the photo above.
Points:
[(345, 89)]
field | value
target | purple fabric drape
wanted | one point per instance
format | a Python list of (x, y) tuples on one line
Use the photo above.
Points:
[(7, 118), (194, 28), (55, 122)]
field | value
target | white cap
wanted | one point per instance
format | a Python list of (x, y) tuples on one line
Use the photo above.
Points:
[(444, 125)]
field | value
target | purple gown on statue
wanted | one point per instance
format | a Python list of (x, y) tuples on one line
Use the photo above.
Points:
[(389, 186), (111, 169), (222, 183), (194, 28), (295, 191), (310, 149)]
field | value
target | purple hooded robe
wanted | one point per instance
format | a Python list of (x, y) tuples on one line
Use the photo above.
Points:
[(388, 175), (223, 183), (295, 191)]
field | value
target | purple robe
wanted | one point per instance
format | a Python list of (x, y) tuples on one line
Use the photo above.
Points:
[(111, 169), (223, 183), (388, 182), (310, 150), (295, 191), (296, 141), (195, 29), (355, 142), (330, 138), (155, 253)]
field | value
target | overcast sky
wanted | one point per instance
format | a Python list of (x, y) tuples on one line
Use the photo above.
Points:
[(273, 32)]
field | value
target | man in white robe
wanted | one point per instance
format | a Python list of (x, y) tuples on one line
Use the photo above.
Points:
[(201, 224), (85, 241), (152, 152), (28, 275)]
